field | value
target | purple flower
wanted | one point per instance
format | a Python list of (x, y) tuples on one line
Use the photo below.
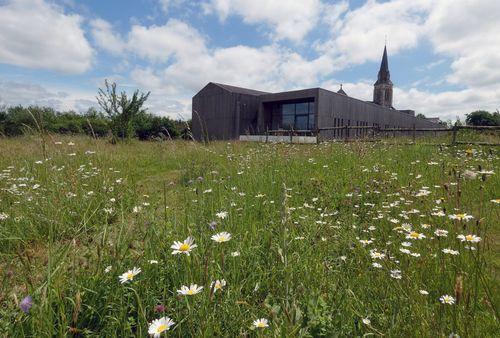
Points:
[(160, 308), (26, 304), (212, 225)]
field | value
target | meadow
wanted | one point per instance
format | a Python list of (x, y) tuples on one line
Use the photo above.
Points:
[(335, 239)]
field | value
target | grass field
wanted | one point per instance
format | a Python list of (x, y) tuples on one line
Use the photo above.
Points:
[(328, 240)]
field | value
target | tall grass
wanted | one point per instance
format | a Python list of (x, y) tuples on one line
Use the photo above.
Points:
[(305, 222)]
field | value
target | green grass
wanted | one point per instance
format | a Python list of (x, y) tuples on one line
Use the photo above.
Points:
[(296, 213)]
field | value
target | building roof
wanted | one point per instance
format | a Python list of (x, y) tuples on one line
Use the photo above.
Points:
[(341, 91), (384, 76), (239, 90)]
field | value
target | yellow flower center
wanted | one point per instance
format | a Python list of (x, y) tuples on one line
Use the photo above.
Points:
[(130, 275), (469, 237), (184, 247), (261, 324), (190, 292), (461, 216), (161, 328), (414, 234)]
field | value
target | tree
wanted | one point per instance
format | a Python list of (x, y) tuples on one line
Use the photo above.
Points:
[(483, 118), (120, 109), (420, 116)]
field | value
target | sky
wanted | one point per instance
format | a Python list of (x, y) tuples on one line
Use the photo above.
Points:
[(444, 55)]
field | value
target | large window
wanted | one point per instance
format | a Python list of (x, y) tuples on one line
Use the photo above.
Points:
[(299, 116)]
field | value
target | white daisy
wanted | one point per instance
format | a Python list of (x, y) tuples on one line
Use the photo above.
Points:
[(447, 299), (183, 247), (158, 326), (469, 238), (221, 237), (193, 289), (260, 323), (218, 285), (129, 275)]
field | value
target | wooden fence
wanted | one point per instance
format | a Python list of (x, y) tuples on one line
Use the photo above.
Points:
[(374, 133)]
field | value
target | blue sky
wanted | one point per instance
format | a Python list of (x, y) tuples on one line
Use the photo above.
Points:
[(59, 52)]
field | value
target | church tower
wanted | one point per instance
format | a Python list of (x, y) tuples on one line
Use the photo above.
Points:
[(382, 91)]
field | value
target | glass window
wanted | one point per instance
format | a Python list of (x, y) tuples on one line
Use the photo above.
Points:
[(301, 122), (301, 108), (288, 109), (288, 121), (311, 121)]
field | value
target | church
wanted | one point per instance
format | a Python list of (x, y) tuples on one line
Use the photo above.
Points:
[(223, 112)]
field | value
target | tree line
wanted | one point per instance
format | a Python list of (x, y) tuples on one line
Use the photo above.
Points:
[(121, 117)]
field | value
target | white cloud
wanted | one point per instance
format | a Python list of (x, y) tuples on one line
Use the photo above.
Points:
[(105, 37), (468, 31), (159, 43), (359, 35), (291, 19), (35, 34), (14, 93)]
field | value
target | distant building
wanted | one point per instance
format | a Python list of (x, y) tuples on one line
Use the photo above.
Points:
[(225, 112)]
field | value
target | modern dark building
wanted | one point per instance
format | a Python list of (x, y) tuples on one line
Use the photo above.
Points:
[(226, 112)]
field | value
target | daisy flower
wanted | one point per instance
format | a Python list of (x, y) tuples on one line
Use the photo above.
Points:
[(469, 238), (183, 247), (415, 235), (450, 251), (218, 285), (221, 237), (423, 292), (366, 321), (461, 217), (158, 326), (221, 214), (193, 289), (260, 323), (441, 233), (129, 275), (447, 299), (496, 201), (376, 255)]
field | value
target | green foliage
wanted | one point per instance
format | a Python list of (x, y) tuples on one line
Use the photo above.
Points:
[(120, 109), (420, 115), (304, 220), (148, 126), (483, 118)]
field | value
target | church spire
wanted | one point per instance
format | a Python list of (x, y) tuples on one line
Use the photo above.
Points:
[(384, 76), (382, 91)]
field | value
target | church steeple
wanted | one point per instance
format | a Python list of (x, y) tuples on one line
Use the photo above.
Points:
[(382, 91)]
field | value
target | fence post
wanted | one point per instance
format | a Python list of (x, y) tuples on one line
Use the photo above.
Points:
[(291, 135), (267, 134), (346, 133), (317, 135), (454, 135), (414, 133)]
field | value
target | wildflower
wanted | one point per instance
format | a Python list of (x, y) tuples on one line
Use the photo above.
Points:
[(260, 323), (447, 299), (183, 247), (136, 209), (396, 274), (496, 201), (158, 326), (365, 242), (406, 244), (438, 213), (366, 321), (153, 261), (160, 308), (221, 237), (26, 304), (108, 269), (377, 265), (222, 214), (450, 251), (218, 285), (376, 255), (415, 235), (441, 233), (193, 289), (129, 275), (461, 217), (423, 292), (469, 238), (3, 216), (235, 254)]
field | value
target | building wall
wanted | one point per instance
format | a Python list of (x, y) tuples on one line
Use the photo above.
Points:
[(339, 110), (219, 114)]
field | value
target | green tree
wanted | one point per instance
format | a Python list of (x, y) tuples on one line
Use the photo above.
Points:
[(420, 116), (120, 109), (483, 118)]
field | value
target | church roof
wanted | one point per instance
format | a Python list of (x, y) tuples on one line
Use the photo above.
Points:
[(341, 91), (384, 76)]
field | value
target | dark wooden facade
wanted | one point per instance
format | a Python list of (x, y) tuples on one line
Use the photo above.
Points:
[(226, 112)]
